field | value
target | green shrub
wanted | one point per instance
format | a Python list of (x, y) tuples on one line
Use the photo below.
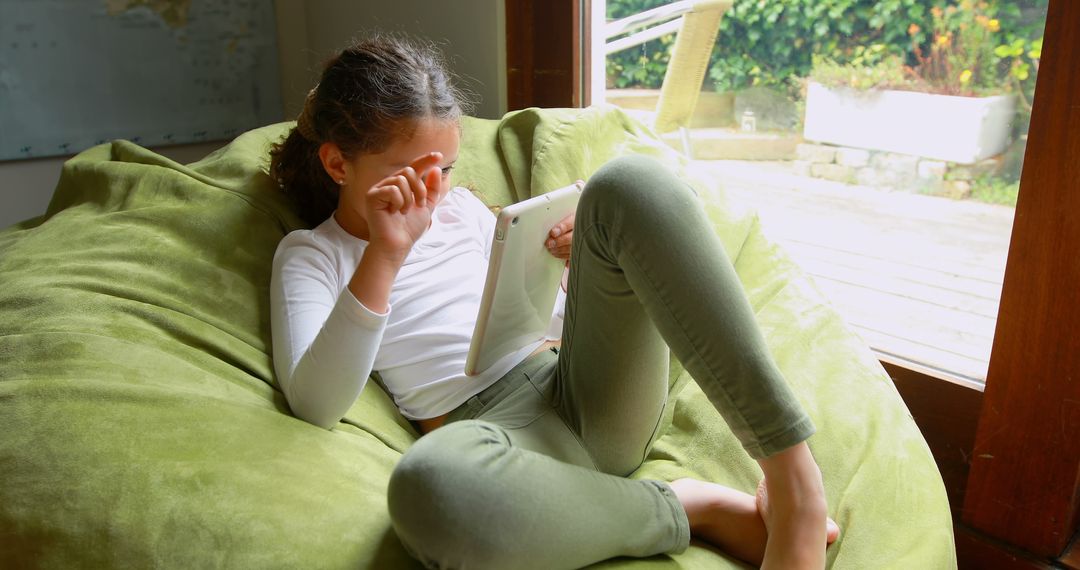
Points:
[(995, 190), (641, 66), (780, 37), (772, 42), (884, 72)]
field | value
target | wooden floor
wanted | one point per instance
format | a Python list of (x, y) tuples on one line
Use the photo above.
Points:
[(919, 277)]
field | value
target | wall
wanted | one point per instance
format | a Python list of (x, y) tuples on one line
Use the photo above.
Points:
[(470, 32)]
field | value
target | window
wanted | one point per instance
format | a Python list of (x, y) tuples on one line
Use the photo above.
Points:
[(881, 142)]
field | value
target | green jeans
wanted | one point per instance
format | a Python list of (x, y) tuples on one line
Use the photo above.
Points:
[(531, 472)]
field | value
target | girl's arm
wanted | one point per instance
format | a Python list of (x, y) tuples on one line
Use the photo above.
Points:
[(325, 341), (374, 278)]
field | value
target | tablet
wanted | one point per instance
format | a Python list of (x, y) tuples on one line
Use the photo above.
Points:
[(522, 278)]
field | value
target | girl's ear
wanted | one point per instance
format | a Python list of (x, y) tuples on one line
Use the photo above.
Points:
[(333, 160)]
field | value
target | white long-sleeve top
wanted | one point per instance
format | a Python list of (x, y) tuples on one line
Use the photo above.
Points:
[(326, 343)]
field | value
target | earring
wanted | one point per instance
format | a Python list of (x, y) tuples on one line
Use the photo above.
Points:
[(341, 182)]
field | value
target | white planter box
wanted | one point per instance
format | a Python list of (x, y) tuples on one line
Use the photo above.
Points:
[(943, 127)]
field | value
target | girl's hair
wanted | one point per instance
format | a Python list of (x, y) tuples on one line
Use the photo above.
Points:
[(369, 95)]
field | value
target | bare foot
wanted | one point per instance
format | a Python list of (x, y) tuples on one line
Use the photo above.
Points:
[(730, 519), (794, 510), (724, 517)]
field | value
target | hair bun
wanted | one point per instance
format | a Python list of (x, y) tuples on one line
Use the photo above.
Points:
[(304, 123)]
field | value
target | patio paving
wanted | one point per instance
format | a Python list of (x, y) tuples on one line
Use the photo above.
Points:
[(918, 277)]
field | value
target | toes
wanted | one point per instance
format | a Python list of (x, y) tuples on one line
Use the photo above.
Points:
[(832, 531)]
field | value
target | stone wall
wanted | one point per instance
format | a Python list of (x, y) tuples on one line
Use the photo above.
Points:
[(890, 170)]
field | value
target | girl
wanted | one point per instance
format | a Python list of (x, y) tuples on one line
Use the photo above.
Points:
[(523, 466)]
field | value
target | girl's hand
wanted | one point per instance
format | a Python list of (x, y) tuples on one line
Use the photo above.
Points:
[(560, 238), (562, 235), (399, 206)]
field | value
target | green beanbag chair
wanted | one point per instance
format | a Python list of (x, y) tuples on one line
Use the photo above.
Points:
[(143, 425)]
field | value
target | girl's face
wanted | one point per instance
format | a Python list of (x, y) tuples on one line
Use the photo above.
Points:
[(430, 135)]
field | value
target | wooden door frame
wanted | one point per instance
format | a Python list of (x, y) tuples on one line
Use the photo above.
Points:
[(546, 69), (1023, 487)]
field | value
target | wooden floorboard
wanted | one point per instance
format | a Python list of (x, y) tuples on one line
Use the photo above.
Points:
[(854, 272), (986, 291), (918, 277)]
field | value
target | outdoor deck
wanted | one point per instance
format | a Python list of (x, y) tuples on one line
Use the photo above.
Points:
[(918, 277)]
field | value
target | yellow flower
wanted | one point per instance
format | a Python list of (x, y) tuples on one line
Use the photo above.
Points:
[(913, 29), (943, 40), (965, 76), (994, 25)]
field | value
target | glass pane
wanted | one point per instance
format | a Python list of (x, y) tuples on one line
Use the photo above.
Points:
[(880, 141)]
